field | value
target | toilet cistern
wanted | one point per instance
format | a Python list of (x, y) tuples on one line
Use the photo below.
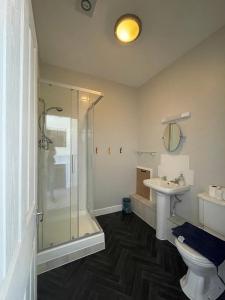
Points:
[(164, 189)]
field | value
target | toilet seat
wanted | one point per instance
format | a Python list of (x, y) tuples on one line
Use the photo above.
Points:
[(192, 254), (201, 280)]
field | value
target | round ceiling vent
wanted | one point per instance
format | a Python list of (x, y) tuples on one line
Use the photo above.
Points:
[(86, 5)]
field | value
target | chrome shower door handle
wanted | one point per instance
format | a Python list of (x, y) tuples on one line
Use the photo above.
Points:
[(72, 163), (40, 216)]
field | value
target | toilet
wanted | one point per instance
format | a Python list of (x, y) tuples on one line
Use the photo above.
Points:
[(202, 281)]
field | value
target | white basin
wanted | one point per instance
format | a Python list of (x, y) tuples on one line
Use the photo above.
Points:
[(165, 187), (164, 191)]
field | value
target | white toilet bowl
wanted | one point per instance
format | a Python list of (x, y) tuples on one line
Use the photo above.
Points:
[(201, 281)]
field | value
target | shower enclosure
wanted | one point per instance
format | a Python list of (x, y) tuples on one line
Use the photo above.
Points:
[(66, 227)]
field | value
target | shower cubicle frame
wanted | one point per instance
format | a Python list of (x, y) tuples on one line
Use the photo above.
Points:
[(59, 255)]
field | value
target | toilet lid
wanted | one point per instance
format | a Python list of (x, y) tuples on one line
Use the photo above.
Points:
[(191, 253)]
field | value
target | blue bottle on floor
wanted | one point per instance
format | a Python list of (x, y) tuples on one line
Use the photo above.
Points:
[(126, 206)]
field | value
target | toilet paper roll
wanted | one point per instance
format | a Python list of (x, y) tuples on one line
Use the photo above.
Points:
[(219, 193), (212, 190), (223, 189)]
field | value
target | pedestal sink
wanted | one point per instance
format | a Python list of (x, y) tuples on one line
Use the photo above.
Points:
[(164, 190)]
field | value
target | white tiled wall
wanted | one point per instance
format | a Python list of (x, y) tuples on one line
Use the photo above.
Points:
[(172, 166)]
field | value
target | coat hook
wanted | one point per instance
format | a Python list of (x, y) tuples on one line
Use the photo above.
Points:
[(96, 150), (109, 150), (121, 150)]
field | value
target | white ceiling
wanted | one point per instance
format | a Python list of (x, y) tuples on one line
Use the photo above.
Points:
[(72, 40)]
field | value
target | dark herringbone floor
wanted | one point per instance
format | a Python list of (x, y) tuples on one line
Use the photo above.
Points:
[(134, 266)]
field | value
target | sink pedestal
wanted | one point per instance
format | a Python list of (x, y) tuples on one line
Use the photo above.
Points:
[(162, 215), (164, 191)]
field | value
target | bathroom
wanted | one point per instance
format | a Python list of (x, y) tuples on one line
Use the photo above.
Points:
[(106, 112)]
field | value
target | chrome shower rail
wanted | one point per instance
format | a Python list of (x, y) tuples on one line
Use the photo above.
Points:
[(96, 102)]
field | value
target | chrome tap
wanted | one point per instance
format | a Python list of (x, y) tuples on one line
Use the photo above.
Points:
[(179, 180), (176, 180)]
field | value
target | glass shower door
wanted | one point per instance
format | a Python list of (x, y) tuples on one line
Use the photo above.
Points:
[(87, 224), (65, 175), (57, 192), (90, 160)]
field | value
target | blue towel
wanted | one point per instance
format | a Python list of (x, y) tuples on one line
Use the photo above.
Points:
[(206, 244)]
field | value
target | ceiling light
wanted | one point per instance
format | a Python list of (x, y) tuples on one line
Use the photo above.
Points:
[(128, 28)]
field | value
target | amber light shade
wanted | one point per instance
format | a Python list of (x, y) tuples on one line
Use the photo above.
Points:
[(128, 28)]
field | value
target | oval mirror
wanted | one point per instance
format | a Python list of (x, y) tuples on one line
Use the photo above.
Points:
[(172, 137)]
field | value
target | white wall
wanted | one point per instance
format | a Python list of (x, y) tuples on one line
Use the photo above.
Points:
[(195, 83), (115, 126)]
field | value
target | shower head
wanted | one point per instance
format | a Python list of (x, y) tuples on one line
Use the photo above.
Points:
[(45, 141), (41, 100), (59, 109)]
